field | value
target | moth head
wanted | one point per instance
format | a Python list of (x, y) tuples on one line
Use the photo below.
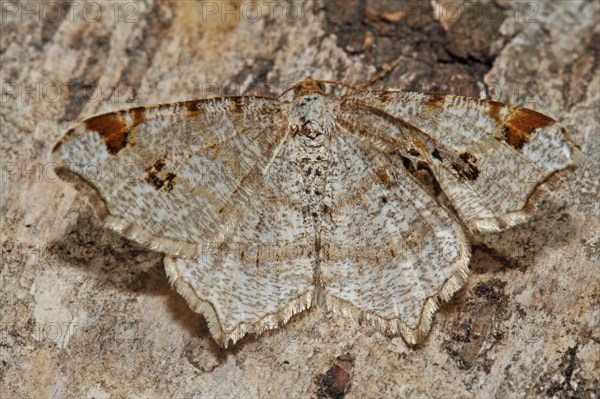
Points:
[(317, 87), (311, 112), (309, 86)]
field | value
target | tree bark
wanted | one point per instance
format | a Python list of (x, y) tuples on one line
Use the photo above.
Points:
[(86, 313)]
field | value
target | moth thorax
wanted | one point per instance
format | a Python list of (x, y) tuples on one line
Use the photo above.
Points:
[(311, 116)]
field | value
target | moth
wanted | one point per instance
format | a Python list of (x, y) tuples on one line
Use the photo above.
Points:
[(267, 207)]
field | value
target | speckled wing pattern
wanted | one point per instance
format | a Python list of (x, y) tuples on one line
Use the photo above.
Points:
[(179, 178), (389, 251), (145, 161), (488, 157), (266, 207)]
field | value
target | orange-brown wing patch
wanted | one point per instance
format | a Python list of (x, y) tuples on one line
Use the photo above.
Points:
[(435, 101), (494, 110), (114, 129), (520, 124)]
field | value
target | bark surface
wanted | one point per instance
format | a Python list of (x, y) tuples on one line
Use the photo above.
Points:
[(86, 313)]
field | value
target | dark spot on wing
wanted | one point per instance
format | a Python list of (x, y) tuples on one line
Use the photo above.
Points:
[(435, 101), (192, 108), (158, 165), (408, 164), (467, 167), (384, 176), (436, 154), (237, 104), (469, 158), (414, 152), (154, 178), (169, 181)]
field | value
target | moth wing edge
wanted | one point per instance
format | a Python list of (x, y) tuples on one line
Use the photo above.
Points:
[(201, 306), (395, 327)]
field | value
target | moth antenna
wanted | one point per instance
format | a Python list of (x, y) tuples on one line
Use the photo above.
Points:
[(381, 74)]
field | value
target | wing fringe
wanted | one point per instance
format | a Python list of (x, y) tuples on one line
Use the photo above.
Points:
[(416, 335), (205, 308)]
